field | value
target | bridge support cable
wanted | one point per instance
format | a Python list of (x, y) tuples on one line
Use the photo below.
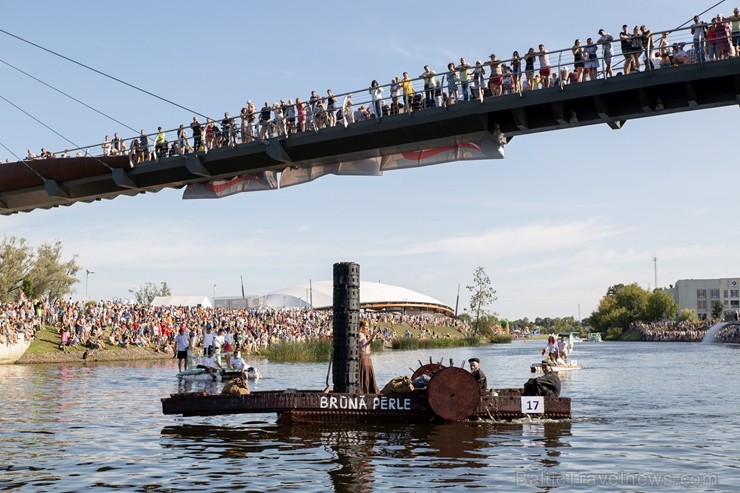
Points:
[(68, 95), (47, 126), (102, 73)]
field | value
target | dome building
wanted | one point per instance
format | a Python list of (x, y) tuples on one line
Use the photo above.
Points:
[(373, 296)]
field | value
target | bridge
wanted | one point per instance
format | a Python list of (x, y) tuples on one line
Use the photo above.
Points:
[(29, 185)]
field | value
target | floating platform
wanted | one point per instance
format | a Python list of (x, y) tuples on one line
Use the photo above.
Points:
[(537, 367), (452, 395)]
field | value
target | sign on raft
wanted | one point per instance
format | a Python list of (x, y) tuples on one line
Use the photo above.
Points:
[(362, 402), (533, 405)]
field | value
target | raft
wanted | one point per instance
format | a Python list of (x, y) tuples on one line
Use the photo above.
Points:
[(451, 395)]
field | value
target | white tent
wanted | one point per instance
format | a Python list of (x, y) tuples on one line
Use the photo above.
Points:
[(203, 301)]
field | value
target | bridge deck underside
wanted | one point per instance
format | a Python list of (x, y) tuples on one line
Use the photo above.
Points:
[(43, 184)]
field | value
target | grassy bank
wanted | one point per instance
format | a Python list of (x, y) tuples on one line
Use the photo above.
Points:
[(45, 349)]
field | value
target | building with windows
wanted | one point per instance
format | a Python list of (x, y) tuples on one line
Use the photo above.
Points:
[(701, 294)]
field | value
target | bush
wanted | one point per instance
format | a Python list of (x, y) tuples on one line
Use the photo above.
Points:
[(614, 333)]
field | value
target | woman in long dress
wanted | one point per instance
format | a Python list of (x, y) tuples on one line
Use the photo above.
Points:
[(367, 383)]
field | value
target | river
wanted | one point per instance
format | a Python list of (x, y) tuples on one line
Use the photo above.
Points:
[(646, 417)]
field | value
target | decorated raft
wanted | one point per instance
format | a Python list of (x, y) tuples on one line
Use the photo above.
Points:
[(451, 394)]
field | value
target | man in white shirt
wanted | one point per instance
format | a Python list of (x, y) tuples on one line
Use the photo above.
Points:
[(208, 340), (210, 364), (698, 29), (237, 362), (182, 343)]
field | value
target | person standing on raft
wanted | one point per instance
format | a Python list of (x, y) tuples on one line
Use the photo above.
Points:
[(367, 383)]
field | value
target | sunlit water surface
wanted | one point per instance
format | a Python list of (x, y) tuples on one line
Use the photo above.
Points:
[(646, 417)]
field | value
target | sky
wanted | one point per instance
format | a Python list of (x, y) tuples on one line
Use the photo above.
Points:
[(563, 217)]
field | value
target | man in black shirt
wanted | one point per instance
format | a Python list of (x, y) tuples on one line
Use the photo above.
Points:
[(477, 373), (547, 385)]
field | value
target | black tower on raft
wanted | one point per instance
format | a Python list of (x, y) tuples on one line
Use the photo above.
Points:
[(345, 355)]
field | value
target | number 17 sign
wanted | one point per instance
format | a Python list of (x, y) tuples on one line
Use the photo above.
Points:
[(533, 405)]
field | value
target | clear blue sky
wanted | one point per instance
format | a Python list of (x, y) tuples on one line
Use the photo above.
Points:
[(566, 215)]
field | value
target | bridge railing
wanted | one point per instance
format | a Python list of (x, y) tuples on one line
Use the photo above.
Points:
[(677, 46)]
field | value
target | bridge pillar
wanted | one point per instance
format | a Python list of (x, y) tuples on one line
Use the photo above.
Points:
[(345, 351)]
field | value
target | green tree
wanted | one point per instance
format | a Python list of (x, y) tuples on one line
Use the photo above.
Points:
[(39, 274), (16, 258), (621, 306), (717, 309), (482, 295), (660, 306), (50, 276), (146, 293), (688, 315)]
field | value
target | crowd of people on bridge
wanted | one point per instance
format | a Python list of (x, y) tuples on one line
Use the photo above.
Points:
[(462, 81)]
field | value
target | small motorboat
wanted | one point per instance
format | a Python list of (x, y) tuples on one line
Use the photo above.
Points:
[(200, 374), (561, 367)]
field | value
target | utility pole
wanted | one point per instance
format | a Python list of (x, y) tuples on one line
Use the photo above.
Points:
[(457, 300), (87, 276), (655, 265)]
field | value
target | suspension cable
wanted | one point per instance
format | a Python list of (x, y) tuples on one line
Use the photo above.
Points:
[(102, 73), (68, 95), (24, 163), (48, 127)]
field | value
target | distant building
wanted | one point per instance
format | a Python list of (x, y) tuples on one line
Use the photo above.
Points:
[(319, 295), (700, 294)]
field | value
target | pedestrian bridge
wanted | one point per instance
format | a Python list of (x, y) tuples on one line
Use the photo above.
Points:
[(483, 126)]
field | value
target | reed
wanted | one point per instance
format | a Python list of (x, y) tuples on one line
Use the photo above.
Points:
[(299, 352), (500, 339), (410, 343)]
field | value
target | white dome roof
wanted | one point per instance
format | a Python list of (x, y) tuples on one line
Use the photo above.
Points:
[(322, 295)]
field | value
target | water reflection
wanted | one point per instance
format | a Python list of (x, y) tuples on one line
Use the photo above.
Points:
[(353, 453)]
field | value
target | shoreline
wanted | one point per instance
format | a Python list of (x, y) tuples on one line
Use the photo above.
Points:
[(75, 356)]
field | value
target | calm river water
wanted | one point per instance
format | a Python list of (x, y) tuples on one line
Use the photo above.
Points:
[(647, 417)]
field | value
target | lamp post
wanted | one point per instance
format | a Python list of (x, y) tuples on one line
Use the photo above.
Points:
[(87, 276), (214, 295)]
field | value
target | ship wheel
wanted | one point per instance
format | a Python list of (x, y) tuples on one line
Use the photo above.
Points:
[(428, 369)]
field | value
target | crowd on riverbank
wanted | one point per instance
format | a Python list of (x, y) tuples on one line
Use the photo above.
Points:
[(684, 331), (671, 330), (19, 321), (107, 323)]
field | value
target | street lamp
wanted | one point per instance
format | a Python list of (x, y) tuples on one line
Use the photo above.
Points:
[(214, 294), (87, 276)]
